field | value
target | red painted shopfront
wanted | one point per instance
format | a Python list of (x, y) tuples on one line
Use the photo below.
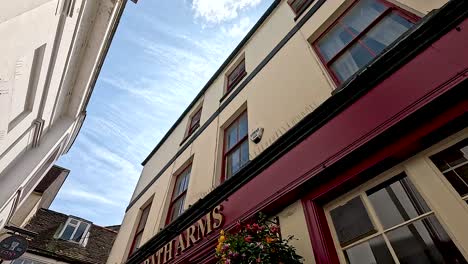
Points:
[(417, 104)]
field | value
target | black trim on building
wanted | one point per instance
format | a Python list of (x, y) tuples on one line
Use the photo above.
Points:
[(232, 95), (431, 28)]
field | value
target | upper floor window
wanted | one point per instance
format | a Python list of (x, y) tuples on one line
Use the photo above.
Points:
[(236, 146), (453, 163), (75, 230), (298, 6), (140, 228), (360, 35), (236, 75), (176, 207), (194, 122)]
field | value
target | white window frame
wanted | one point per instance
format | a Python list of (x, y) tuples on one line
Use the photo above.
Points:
[(444, 201), (84, 239)]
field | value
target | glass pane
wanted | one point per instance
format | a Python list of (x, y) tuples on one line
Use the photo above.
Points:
[(351, 61), (236, 73), (231, 136), (396, 202), (67, 233), (297, 5), (369, 252), (73, 221), (386, 32), (459, 181), (351, 221), (244, 153), (233, 162), (452, 156), (80, 232), (137, 242), (424, 241), (144, 218), (243, 126), (333, 42), (186, 178), (177, 208), (362, 15)]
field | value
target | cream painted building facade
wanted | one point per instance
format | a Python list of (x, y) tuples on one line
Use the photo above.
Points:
[(295, 80), (51, 55)]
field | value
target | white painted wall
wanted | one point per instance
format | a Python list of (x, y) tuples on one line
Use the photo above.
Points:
[(50, 54)]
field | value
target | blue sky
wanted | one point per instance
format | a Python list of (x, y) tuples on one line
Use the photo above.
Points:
[(163, 53)]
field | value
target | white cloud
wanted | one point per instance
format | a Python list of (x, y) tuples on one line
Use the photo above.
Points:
[(88, 196), (217, 11), (240, 29)]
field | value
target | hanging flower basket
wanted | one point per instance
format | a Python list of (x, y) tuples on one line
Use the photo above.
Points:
[(257, 242)]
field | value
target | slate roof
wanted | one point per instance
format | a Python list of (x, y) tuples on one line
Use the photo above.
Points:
[(47, 222)]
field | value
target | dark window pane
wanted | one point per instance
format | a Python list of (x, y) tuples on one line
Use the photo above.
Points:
[(143, 218), (236, 74), (333, 42), (136, 242), (424, 241), (67, 233), (233, 162), (244, 153), (80, 232), (452, 156), (297, 5), (231, 135), (457, 182), (362, 15), (370, 252), (351, 61), (177, 208), (243, 126), (397, 201), (351, 221), (386, 32)]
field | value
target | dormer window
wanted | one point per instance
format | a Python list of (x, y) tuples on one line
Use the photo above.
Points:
[(75, 230)]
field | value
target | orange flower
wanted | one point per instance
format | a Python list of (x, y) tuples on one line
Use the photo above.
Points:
[(269, 240)]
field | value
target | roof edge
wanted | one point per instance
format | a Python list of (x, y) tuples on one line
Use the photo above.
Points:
[(231, 56)]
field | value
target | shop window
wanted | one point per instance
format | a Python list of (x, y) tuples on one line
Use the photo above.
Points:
[(360, 35), (402, 223), (176, 207), (236, 146), (75, 230), (140, 228), (194, 122), (299, 6), (453, 163), (236, 75)]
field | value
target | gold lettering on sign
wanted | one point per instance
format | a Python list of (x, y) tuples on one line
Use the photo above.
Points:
[(159, 255), (196, 232), (180, 245), (204, 226), (191, 236), (218, 217), (168, 251)]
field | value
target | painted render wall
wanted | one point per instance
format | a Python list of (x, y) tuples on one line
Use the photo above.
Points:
[(48, 61), (292, 84)]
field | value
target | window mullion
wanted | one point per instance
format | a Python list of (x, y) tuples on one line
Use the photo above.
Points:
[(380, 229), (451, 168), (357, 37), (74, 231)]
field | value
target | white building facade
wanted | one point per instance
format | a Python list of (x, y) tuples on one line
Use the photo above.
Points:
[(50, 56)]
